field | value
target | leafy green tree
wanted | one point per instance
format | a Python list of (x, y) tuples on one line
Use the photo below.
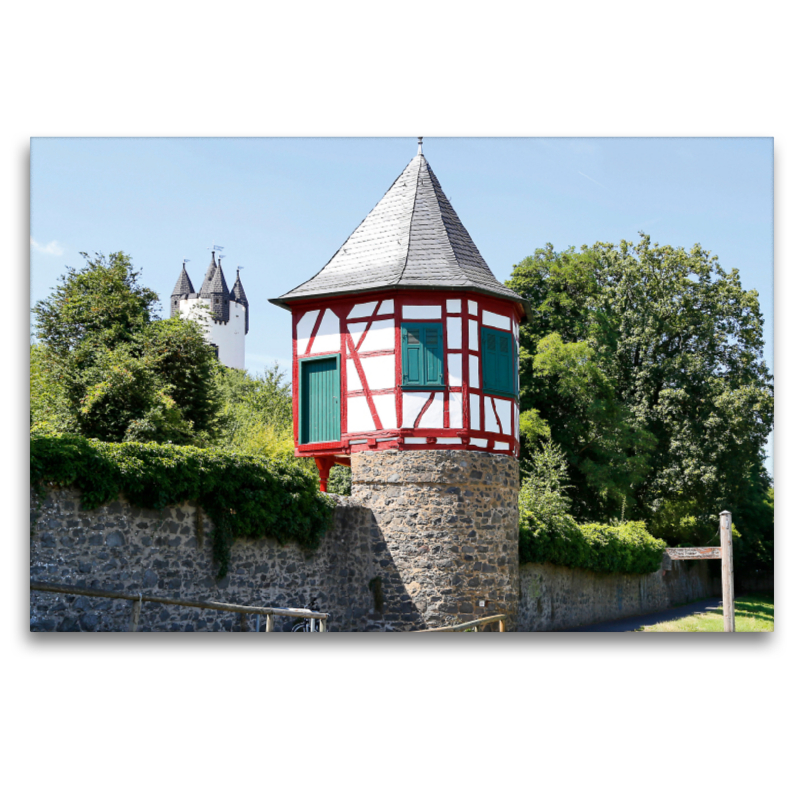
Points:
[(102, 301), (646, 362), (120, 374), (49, 411), (256, 414)]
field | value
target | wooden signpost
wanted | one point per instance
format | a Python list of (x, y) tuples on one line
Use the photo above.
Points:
[(725, 553)]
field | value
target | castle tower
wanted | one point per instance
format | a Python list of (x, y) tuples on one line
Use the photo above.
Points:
[(224, 314), (405, 366)]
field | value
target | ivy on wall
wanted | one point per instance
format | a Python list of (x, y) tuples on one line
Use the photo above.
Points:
[(243, 496)]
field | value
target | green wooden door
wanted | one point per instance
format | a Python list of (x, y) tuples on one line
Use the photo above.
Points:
[(319, 401)]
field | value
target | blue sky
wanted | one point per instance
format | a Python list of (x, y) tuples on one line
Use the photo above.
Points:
[(281, 207)]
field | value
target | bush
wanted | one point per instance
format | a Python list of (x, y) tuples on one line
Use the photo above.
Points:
[(244, 496), (550, 534)]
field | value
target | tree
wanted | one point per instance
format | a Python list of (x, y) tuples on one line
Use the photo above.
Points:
[(102, 301), (256, 414), (122, 375), (646, 362)]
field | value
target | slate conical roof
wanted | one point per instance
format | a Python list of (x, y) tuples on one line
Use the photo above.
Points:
[(240, 297), (215, 289), (184, 284), (413, 239), (214, 282)]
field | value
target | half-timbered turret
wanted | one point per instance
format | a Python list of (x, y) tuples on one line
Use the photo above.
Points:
[(405, 339)]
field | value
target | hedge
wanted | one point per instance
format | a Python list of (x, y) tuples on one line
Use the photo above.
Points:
[(243, 496), (622, 548)]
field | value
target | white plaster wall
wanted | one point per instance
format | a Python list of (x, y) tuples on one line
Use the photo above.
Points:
[(454, 369), (504, 412), (454, 333), (304, 327), (353, 381), (475, 412), (473, 335), (379, 372), (359, 417), (497, 320), (362, 310), (489, 419), (422, 312), (228, 337), (380, 336), (387, 411), (434, 415), (412, 405), (327, 339), (456, 410), (474, 373)]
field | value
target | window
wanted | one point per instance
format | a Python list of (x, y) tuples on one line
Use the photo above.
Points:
[(422, 354), (500, 373)]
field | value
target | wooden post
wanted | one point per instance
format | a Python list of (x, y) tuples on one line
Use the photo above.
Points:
[(270, 624), (726, 540), (501, 626), (137, 607), (323, 626)]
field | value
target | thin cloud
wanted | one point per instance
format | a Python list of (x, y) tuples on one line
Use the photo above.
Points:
[(592, 180), (52, 249)]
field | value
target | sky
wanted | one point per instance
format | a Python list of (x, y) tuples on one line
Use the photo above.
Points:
[(281, 207)]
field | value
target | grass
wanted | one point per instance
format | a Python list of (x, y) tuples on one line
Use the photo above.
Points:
[(754, 613)]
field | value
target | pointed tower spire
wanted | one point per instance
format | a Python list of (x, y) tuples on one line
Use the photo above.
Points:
[(237, 293), (215, 290), (183, 288), (412, 239)]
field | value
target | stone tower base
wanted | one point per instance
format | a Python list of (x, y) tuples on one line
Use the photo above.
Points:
[(450, 523)]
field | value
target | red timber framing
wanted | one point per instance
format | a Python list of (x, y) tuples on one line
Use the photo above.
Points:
[(394, 436)]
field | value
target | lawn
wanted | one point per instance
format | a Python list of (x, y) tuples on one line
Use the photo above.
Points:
[(755, 613)]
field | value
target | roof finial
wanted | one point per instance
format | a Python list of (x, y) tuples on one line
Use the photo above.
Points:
[(419, 145)]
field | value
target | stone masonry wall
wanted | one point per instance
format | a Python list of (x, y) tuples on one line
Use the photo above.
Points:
[(553, 598), (124, 548), (374, 570), (450, 523)]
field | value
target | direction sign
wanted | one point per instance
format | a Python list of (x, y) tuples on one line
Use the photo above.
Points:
[(691, 553)]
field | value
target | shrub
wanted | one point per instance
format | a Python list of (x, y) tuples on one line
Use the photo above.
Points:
[(550, 534), (244, 496)]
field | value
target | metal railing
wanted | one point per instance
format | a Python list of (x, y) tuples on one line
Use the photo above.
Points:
[(316, 618), (475, 623)]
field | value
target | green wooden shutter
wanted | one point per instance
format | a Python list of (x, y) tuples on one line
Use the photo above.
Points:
[(433, 356), (423, 355), (489, 360), (505, 382), (499, 362), (413, 365)]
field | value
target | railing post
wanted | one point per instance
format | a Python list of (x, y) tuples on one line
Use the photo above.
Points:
[(135, 611), (323, 625), (270, 624), (311, 624), (726, 540)]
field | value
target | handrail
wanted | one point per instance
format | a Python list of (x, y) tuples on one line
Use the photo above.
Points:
[(304, 613), (466, 625)]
